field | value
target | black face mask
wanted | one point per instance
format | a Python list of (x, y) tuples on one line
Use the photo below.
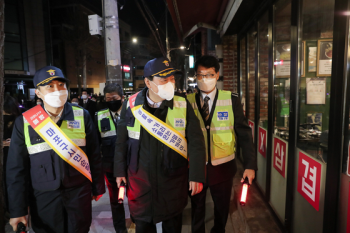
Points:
[(114, 105)]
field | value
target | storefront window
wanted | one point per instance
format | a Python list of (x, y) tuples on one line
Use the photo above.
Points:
[(315, 69), (243, 74), (251, 75), (282, 59), (263, 101)]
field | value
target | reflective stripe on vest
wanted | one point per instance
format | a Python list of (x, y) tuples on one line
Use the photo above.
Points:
[(76, 135), (176, 118), (106, 114), (222, 136)]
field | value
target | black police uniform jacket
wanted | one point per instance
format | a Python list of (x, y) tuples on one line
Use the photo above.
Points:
[(157, 176), (46, 170)]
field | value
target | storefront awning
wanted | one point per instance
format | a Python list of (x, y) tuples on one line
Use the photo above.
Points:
[(189, 17)]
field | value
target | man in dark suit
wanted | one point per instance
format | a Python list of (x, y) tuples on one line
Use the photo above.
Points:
[(88, 104), (223, 123)]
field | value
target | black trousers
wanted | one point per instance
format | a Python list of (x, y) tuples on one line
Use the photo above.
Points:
[(118, 213), (221, 194), (173, 225), (65, 210)]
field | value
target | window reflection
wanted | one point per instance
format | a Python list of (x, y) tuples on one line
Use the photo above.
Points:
[(315, 82)]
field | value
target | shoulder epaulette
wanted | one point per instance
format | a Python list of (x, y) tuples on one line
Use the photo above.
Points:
[(235, 94)]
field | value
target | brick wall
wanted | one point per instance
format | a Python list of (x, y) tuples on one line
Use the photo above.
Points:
[(229, 44)]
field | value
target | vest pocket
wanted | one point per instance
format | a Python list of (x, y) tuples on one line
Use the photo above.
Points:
[(222, 145), (42, 168)]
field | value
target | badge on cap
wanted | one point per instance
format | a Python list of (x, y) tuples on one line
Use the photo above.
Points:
[(51, 72), (166, 62)]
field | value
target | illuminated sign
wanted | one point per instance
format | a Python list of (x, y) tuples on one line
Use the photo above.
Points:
[(191, 59), (126, 68)]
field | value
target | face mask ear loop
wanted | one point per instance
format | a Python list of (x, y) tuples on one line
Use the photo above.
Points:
[(152, 89)]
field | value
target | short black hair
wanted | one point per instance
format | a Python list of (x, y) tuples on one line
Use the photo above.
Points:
[(113, 87), (150, 78), (208, 62)]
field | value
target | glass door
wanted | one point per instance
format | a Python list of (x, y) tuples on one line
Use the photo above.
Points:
[(315, 49), (251, 80), (282, 59), (263, 101)]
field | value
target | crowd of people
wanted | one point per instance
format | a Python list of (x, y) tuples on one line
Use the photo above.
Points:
[(163, 145)]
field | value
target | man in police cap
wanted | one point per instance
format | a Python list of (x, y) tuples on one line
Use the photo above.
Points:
[(223, 123), (55, 163), (107, 123), (159, 149)]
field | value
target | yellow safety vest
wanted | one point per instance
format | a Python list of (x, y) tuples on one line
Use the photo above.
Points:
[(76, 135), (176, 118), (222, 135)]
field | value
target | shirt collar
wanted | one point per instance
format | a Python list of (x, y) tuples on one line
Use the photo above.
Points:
[(211, 95), (66, 113), (54, 117), (151, 103)]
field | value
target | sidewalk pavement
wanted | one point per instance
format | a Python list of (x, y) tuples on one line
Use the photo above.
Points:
[(254, 217)]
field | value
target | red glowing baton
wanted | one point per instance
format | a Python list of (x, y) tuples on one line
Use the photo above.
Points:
[(121, 193), (244, 192)]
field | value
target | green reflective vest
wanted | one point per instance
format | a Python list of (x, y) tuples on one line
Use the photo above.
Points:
[(222, 136), (100, 116), (176, 118), (77, 135)]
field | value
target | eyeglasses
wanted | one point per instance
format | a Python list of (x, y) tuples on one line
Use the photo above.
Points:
[(200, 76)]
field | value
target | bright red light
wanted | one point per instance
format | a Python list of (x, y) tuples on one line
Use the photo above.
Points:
[(121, 194), (244, 194), (126, 68)]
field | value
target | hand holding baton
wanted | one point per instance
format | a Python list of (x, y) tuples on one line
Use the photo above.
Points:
[(121, 193), (244, 192), (21, 228)]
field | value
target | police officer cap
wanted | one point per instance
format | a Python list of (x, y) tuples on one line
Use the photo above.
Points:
[(160, 67), (45, 75)]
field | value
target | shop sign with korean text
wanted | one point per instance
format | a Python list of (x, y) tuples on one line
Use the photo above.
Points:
[(309, 179), (279, 156), (262, 141)]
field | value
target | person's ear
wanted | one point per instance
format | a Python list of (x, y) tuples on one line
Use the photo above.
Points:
[(217, 75), (148, 83), (38, 93)]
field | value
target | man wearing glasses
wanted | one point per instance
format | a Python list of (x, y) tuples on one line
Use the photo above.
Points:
[(223, 123), (107, 124)]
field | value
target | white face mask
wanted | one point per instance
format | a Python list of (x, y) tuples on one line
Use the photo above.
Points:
[(38, 103), (84, 96), (56, 99), (75, 103), (206, 84), (165, 91)]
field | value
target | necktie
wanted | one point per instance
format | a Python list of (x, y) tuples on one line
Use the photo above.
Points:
[(205, 108), (116, 117)]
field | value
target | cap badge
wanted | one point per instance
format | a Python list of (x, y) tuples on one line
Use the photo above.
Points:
[(51, 72), (166, 63)]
